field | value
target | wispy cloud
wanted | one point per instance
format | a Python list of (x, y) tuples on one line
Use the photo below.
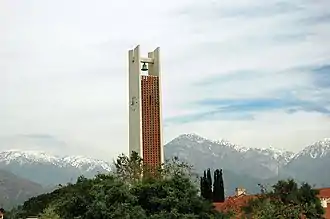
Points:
[(322, 76), (286, 97), (247, 109)]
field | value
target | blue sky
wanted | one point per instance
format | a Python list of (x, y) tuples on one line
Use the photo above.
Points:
[(285, 99), (254, 72)]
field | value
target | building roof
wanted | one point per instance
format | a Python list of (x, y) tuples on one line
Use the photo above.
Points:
[(234, 204), (324, 193)]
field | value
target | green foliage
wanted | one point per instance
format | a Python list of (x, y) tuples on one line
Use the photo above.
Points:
[(129, 169), (287, 200), (265, 208), (166, 192), (171, 195), (203, 186), (49, 213), (175, 167)]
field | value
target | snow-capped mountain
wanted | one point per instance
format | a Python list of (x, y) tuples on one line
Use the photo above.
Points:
[(33, 157), (316, 150), (312, 163), (203, 153), (201, 140), (88, 164), (24, 157), (281, 155), (47, 169)]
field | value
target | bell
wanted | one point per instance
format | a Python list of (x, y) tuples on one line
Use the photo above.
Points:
[(144, 67)]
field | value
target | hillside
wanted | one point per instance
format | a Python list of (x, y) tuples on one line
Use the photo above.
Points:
[(15, 190)]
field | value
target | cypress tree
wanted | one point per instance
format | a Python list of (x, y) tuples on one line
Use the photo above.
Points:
[(209, 185), (221, 187), (215, 186), (202, 187)]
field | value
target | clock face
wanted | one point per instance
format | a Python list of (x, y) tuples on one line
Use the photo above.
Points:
[(134, 103)]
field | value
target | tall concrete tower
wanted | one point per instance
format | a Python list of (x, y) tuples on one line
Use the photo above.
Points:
[(145, 111)]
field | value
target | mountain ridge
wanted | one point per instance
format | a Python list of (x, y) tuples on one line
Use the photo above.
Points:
[(265, 164), (50, 170), (77, 161), (223, 142), (321, 146), (317, 149)]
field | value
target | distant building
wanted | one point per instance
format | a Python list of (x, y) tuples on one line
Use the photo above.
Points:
[(240, 191)]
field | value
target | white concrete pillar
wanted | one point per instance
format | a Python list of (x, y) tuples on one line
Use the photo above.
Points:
[(135, 127)]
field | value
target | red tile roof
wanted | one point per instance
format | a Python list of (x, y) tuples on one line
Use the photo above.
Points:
[(324, 193), (234, 204)]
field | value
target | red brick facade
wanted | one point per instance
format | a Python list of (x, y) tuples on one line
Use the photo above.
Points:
[(151, 120)]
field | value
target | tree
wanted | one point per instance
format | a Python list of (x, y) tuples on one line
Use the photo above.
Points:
[(206, 189), (221, 187), (312, 207), (49, 213), (132, 169), (264, 208), (112, 198), (218, 187), (209, 185), (75, 198), (129, 169), (202, 187), (174, 166), (176, 196)]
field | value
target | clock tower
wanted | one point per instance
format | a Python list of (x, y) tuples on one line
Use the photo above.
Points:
[(145, 113)]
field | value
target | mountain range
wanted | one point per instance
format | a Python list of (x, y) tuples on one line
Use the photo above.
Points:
[(264, 166), (50, 170), (243, 167)]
